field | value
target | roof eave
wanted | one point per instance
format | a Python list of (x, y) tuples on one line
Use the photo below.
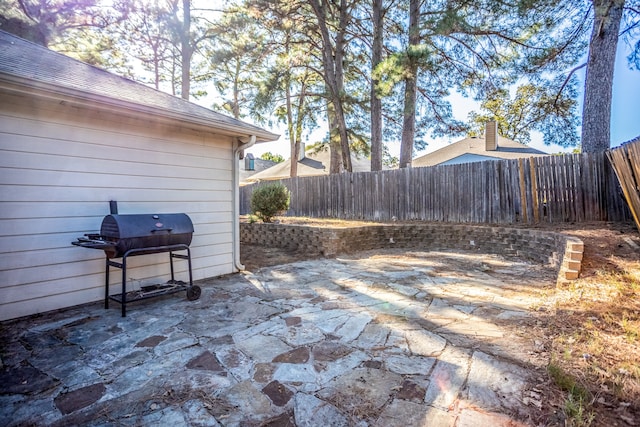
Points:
[(45, 90)]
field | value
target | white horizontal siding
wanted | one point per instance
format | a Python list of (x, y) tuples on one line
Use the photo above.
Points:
[(60, 166), (73, 151), (208, 224), (44, 120), (17, 261), (16, 176), (152, 197), (26, 210), (52, 302)]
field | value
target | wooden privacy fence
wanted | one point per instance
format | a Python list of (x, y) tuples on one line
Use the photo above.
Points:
[(626, 163), (565, 188)]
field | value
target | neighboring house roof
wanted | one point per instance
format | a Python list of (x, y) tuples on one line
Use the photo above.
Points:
[(313, 164), (32, 67), (474, 150)]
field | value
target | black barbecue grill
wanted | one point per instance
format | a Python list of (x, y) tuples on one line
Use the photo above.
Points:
[(122, 236)]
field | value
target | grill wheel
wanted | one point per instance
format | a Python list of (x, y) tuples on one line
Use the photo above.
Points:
[(193, 292)]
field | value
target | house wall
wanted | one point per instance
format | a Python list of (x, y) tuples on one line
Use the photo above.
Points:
[(468, 158), (61, 164)]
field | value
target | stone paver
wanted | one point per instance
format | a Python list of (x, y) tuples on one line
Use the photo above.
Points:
[(387, 338)]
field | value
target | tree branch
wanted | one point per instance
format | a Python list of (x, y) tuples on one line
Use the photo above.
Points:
[(566, 81)]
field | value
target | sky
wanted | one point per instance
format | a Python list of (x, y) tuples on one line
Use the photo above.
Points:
[(625, 115)]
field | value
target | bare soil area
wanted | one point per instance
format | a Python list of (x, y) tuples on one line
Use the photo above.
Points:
[(592, 338), (595, 333)]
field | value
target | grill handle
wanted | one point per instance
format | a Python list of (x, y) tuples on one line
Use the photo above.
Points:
[(168, 230)]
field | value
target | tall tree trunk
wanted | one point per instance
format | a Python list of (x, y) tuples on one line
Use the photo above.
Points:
[(333, 68), (295, 147), (341, 124), (410, 88), (235, 108), (338, 66), (335, 149), (596, 112), (174, 76), (300, 117), (156, 65), (186, 49), (294, 124), (376, 103)]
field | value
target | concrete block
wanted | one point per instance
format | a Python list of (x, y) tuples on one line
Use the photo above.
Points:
[(574, 265), (574, 255), (575, 246), (571, 274)]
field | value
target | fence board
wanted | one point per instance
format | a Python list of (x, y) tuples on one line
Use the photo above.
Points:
[(578, 187), (626, 163)]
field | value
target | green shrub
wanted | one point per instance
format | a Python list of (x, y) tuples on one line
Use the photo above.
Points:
[(270, 200)]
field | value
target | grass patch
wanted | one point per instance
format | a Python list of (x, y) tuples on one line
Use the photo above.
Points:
[(578, 414), (567, 382), (577, 407), (631, 327)]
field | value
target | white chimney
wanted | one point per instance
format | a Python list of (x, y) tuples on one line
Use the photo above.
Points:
[(491, 136), (301, 152)]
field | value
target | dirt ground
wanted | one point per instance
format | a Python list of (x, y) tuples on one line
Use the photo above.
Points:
[(593, 336), (595, 332)]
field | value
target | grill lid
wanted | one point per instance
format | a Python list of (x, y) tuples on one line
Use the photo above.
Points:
[(118, 227)]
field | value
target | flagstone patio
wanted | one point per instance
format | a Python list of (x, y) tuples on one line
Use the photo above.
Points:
[(384, 338)]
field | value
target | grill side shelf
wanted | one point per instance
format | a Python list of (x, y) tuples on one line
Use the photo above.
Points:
[(93, 244)]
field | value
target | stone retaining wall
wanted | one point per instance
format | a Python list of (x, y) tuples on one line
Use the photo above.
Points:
[(557, 250)]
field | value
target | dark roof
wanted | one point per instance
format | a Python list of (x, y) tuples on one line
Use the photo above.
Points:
[(476, 147), (24, 62), (314, 163)]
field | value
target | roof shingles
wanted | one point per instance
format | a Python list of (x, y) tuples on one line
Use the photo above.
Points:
[(475, 148), (34, 63)]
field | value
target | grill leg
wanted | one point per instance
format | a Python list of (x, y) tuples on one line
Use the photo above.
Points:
[(124, 286), (181, 256), (189, 261), (173, 279), (106, 284)]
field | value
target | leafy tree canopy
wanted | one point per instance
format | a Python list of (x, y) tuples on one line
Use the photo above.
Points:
[(272, 157), (530, 107)]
